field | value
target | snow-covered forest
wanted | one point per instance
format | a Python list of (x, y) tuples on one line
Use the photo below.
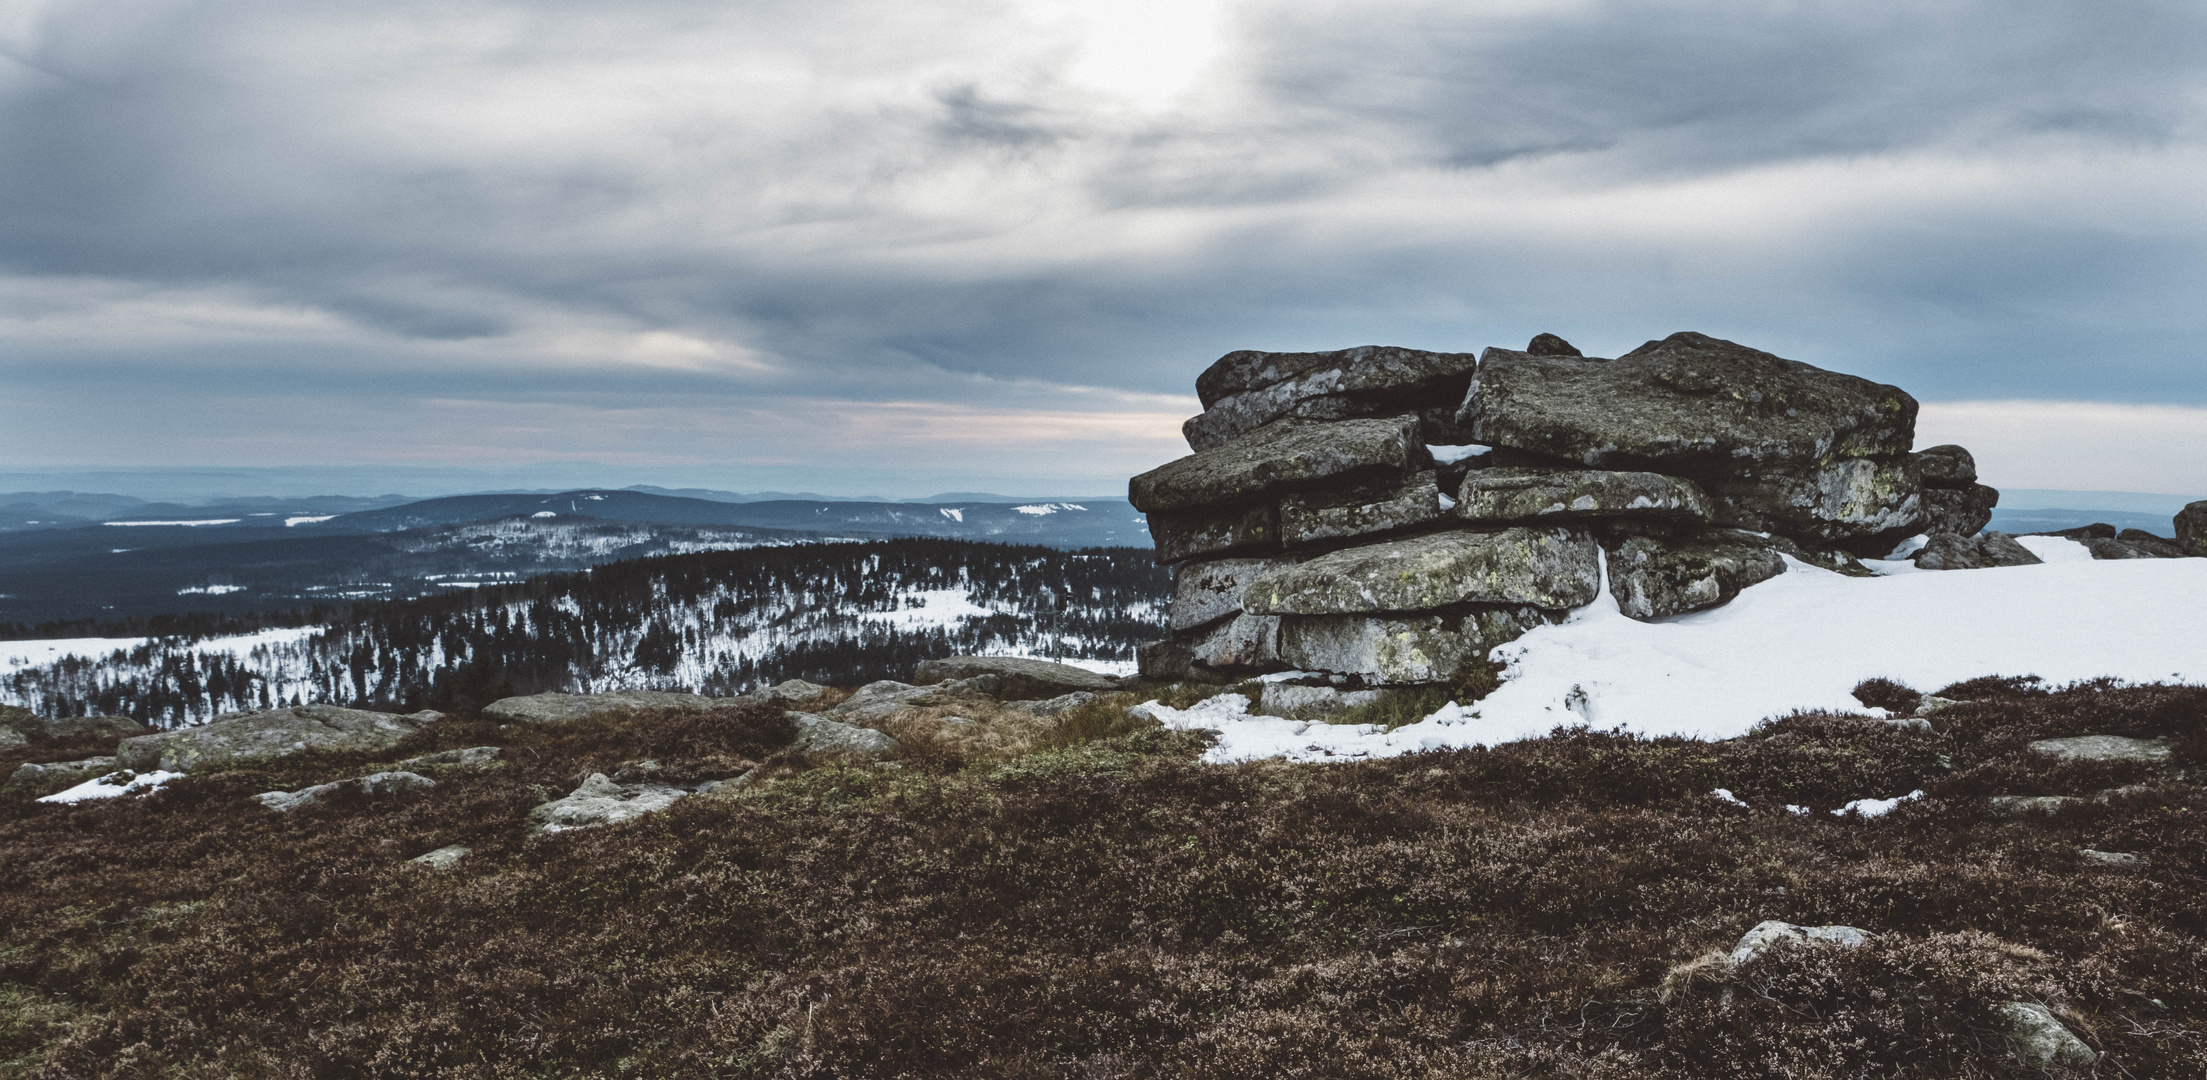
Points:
[(714, 622)]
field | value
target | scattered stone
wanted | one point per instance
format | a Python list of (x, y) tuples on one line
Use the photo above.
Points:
[(1205, 592), (1400, 650), (443, 858), (1312, 702), (1952, 551), (734, 782), (472, 757), (1245, 641), (2191, 527), (2038, 1040), (1279, 457), (2105, 748), (793, 692), (1546, 568), (72, 771), (1186, 534), (1965, 511), (1050, 707), (562, 708), (600, 801), (235, 738), (1022, 677), (1687, 404), (1654, 577), (2027, 805), (1362, 382), (1947, 466), (820, 735), (1913, 724), (1504, 495), (1772, 933), (1932, 705), (2120, 860), (373, 784), (1379, 506)]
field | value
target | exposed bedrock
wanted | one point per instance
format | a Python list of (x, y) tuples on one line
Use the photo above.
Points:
[(1548, 568)]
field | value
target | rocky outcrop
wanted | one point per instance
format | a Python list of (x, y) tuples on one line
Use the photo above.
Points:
[(600, 801), (2191, 528), (373, 784), (1957, 551), (473, 757), (1341, 514), (238, 738), (32, 728), (1018, 676), (820, 735), (558, 708), (71, 771)]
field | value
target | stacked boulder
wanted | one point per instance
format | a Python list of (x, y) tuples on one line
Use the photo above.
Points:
[(1388, 515)]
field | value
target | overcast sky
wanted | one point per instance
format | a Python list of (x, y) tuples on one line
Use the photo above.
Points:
[(864, 245)]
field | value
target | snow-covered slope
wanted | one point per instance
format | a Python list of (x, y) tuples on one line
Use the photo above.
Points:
[(1800, 641)]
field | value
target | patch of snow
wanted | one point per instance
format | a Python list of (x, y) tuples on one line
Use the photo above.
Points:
[(954, 513), (1792, 809), (209, 521), (112, 785), (209, 590), (1447, 503), (16, 655), (1037, 510), (930, 608), (1870, 808), (1450, 455), (1903, 549), (1724, 795), (2056, 549), (291, 522)]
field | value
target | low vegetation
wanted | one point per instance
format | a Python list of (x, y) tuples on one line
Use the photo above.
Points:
[(1080, 896)]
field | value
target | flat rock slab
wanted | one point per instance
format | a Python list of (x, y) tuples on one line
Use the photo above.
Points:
[(1688, 403), (1180, 535), (1056, 706), (1244, 641), (2105, 748), (1523, 495), (820, 735), (256, 736), (1252, 389), (887, 698), (1023, 677), (473, 757), (1860, 504), (1367, 367), (1547, 568), (1309, 702), (1359, 510), (600, 801), (443, 858), (373, 784), (1205, 592), (561, 708), (1279, 457), (1953, 551), (1654, 577)]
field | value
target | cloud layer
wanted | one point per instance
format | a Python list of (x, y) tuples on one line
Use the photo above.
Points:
[(1002, 237)]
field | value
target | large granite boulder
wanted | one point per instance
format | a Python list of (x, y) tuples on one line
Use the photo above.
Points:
[(1546, 568), (1023, 677), (1657, 576), (1503, 495), (2159, 547), (1955, 551), (1359, 510), (1859, 504), (1965, 511), (373, 784), (1401, 649), (558, 708), (1248, 390), (1187, 534), (1947, 466), (2191, 527), (1279, 457), (238, 738), (1688, 404), (1205, 592)]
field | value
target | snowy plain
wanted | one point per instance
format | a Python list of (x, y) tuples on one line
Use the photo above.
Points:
[(1800, 641)]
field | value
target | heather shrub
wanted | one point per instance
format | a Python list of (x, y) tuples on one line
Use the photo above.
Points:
[(1887, 694)]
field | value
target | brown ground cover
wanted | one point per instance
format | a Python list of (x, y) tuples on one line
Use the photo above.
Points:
[(1082, 898)]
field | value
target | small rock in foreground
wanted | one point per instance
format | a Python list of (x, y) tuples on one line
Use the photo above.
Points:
[(382, 783), (1769, 934), (2038, 1040), (600, 801), (2104, 748), (441, 859)]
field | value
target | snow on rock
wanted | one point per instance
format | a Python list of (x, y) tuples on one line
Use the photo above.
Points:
[(1800, 641), (1876, 807), (2055, 549), (112, 785)]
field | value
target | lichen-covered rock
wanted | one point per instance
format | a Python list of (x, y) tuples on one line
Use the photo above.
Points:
[(1657, 576), (558, 708), (1688, 404), (600, 801), (1773, 933), (35, 728), (1205, 592), (1180, 535), (1964, 511), (254, 736), (1311, 702), (1504, 495), (2029, 805), (1046, 707), (1359, 510), (1279, 457), (373, 784), (1949, 551), (1022, 677), (1547, 568), (820, 735), (1244, 641), (71, 771), (791, 692), (2104, 748), (1863, 505), (1372, 380), (2191, 527), (2038, 1040), (1947, 466), (1403, 649), (472, 757)]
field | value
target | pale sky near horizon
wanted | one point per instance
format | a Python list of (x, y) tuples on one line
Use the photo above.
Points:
[(858, 246)]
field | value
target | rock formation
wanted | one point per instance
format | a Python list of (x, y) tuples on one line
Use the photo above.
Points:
[(1388, 515)]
